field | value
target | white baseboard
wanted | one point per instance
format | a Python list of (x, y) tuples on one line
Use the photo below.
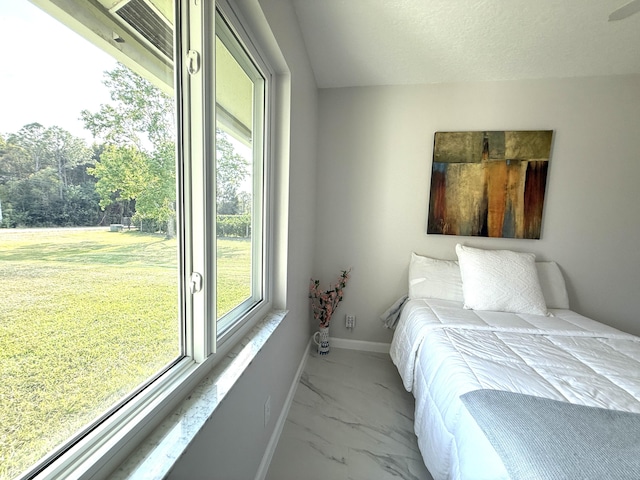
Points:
[(277, 431), (359, 345)]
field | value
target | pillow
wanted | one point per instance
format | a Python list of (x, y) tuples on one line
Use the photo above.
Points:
[(500, 280), (554, 289), (433, 278)]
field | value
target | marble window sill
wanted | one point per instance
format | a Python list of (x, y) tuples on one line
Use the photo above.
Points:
[(156, 455)]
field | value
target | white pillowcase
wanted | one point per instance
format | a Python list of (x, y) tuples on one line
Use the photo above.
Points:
[(554, 288), (500, 280), (434, 278)]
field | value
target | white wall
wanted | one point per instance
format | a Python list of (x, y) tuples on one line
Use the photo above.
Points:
[(232, 444), (374, 169)]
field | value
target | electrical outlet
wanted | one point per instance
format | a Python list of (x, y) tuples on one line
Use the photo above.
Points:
[(350, 321), (267, 410)]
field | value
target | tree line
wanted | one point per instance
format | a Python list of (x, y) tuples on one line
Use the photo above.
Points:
[(44, 179), (50, 178)]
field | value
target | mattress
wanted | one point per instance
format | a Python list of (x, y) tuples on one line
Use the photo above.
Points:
[(443, 351)]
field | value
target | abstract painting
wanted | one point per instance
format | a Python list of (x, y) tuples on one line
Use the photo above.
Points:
[(489, 184)]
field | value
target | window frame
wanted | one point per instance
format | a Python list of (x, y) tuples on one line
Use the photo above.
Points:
[(203, 341), (257, 71), (103, 448)]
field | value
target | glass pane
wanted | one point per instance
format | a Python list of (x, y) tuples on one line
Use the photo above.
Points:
[(234, 167), (89, 309)]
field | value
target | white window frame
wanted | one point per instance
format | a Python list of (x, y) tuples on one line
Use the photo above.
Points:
[(102, 449), (257, 70)]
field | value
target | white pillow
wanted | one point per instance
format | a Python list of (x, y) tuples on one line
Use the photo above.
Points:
[(500, 280), (554, 289), (434, 278)]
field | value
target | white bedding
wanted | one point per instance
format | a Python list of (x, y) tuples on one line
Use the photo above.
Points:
[(443, 351)]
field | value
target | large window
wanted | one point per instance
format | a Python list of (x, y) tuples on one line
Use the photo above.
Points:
[(132, 215), (240, 93)]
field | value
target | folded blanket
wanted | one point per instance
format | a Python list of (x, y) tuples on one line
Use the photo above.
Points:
[(542, 439)]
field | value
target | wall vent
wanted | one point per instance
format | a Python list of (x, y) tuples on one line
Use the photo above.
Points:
[(148, 23)]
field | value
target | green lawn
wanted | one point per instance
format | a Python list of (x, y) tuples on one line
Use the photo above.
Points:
[(86, 315)]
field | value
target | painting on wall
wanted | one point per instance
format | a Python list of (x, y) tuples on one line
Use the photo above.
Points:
[(489, 184)]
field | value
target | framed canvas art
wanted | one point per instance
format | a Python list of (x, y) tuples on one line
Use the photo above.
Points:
[(489, 184)]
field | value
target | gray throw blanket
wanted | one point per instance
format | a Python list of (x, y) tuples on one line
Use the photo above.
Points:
[(541, 439), (392, 315)]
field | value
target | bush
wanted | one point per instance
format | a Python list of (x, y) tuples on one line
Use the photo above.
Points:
[(233, 226)]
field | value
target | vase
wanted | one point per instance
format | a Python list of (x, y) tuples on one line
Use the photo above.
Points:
[(321, 339)]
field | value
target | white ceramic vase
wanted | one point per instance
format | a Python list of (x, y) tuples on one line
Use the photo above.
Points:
[(321, 339)]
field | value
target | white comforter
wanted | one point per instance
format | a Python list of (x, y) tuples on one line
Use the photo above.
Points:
[(443, 351)]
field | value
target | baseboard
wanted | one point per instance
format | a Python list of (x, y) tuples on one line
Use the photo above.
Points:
[(359, 345), (277, 430)]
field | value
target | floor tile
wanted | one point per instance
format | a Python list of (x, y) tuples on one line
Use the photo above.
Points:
[(350, 419)]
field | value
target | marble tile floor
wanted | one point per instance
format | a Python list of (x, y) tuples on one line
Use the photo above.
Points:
[(351, 419)]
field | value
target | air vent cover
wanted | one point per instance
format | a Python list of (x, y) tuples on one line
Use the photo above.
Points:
[(140, 16)]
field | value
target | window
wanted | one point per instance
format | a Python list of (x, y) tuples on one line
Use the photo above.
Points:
[(134, 241), (240, 91)]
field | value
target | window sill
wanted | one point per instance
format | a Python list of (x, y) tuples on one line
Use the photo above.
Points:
[(156, 455)]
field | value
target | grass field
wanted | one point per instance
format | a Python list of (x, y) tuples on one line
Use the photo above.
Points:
[(86, 315)]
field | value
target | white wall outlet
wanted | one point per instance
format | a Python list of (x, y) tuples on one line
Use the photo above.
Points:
[(350, 321), (267, 410)]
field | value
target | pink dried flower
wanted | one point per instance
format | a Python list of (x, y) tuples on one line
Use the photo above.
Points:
[(324, 303)]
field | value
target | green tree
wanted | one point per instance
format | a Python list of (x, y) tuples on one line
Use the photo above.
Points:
[(244, 203), (140, 114), (138, 160), (231, 170), (31, 139), (14, 162), (64, 152), (38, 166)]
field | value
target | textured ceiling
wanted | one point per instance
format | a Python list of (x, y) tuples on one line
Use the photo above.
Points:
[(394, 42)]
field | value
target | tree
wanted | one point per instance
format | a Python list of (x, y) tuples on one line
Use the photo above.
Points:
[(35, 148), (231, 170), (31, 138), (38, 166), (138, 160), (244, 199), (66, 152), (14, 162), (120, 173), (140, 115)]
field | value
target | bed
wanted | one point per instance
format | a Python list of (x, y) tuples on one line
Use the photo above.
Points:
[(478, 373)]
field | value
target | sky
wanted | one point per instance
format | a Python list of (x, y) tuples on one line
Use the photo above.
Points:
[(48, 73)]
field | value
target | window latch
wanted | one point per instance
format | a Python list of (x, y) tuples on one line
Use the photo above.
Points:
[(196, 282), (193, 62)]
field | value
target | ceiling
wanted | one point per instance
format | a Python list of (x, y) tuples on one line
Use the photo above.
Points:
[(395, 42)]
